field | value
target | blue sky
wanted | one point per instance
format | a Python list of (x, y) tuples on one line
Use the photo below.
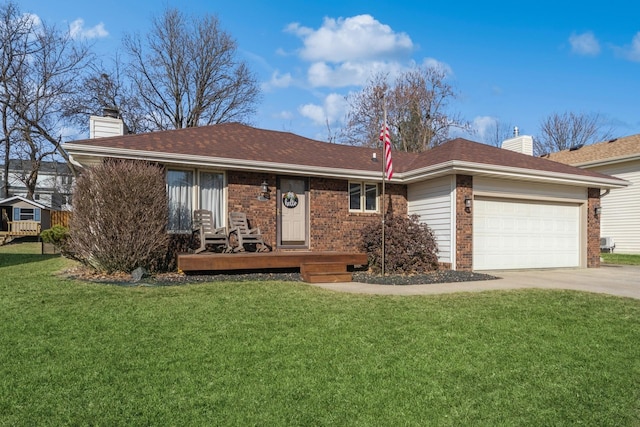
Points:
[(516, 62)]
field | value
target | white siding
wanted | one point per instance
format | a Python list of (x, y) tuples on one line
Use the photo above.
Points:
[(621, 208), (101, 127), (432, 201), (527, 190)]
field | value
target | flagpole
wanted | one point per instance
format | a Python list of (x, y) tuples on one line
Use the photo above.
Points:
[(384, 171)]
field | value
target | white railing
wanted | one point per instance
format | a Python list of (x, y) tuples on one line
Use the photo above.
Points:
[(24, 228)]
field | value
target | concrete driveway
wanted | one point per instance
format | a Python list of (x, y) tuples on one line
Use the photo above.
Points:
[(616, 280)]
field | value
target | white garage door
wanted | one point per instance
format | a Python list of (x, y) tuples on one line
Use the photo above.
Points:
[(510, 234)]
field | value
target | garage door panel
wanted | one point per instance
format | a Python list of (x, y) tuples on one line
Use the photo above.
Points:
[(525, 234)]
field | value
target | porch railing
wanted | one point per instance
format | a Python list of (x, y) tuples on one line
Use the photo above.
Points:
[(24, 228)]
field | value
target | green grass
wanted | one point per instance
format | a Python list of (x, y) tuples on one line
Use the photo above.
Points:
[(621, 259), (17, 247), (275, 353)]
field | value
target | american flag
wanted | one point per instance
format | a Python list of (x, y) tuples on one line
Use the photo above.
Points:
[(384, 136)]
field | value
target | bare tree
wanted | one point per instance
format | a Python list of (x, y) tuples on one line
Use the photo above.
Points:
[(187, 74), (42, 67), (497, 132), (107, 87), (366, 112), (15, 49), (417, 110), (566, 130)]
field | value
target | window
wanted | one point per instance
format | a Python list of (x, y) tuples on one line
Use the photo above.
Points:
[(212, 196), (26, 214), (363, 197), (182, 192)]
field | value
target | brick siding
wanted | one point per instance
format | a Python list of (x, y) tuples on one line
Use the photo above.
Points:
[(464, 223), (593, 229), (332, 227), (243, 189)]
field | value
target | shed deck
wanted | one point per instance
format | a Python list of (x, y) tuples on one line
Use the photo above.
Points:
[(221, 262)]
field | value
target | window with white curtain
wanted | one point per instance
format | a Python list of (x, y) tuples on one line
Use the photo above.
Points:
[(212, 195), (181, 191), (180, 194)]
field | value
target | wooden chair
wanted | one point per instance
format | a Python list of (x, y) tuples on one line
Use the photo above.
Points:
[(239, 226), (209, 235)]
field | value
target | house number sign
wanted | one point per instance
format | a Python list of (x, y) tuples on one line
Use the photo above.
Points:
[(290, 200)]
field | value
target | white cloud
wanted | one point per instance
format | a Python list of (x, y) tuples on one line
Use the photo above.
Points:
[(434, 63), (632, 53), (333, 110), (77, 30), (351, 39), (349, 73), (481, 124), (313, 112), (278, 81), (34, 19), (584, 44), (284, 115)]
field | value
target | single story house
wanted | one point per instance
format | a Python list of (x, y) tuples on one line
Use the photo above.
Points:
[(618, 157), (22, 217), (489, 208)]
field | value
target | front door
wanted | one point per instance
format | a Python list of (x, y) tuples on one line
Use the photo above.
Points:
[(292, 209)]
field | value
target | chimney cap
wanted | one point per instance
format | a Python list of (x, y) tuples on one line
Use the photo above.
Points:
[(111, 112)]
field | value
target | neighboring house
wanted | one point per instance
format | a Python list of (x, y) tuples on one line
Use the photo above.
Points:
[(489, 208), (22, 217), (54, 187), (621, 207)]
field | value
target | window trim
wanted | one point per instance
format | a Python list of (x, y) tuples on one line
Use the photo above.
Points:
[(364, 186)]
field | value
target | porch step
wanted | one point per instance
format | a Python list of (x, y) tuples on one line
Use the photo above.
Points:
[(325, 272)]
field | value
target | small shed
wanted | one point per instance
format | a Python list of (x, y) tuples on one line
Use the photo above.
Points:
[(22, 217)]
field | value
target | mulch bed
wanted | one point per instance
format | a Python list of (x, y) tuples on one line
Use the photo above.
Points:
[(174, 279)]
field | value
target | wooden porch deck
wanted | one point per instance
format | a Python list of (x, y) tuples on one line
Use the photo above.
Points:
[(315, 266), (19, 229)]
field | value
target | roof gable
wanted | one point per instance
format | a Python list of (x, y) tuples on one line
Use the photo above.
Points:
[(13, 199)]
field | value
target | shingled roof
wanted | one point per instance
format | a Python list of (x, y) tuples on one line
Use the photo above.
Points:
[(614, 149), (244, 147)]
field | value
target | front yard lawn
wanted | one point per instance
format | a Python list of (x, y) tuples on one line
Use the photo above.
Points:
[(286, 353)]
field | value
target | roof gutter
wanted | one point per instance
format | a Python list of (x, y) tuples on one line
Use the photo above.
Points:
[(483, 169), (78, 153)]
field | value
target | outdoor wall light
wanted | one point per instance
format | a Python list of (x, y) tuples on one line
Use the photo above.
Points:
[(264, 192), (467, 202), (598, 210)]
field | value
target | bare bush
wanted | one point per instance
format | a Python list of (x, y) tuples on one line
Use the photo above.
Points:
[(120, 217), (410, 246)]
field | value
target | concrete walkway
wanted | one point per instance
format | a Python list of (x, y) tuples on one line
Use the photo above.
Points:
[(616, 280)]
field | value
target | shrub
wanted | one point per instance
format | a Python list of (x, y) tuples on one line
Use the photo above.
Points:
[(410, 247), (56, 235), (120, 217)]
